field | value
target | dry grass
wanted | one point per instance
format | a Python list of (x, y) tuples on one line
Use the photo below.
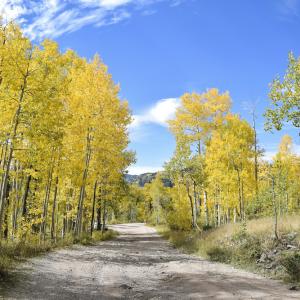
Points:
[(98, 236), (14, 252), (243, 245), (257, 227), (285, 224)]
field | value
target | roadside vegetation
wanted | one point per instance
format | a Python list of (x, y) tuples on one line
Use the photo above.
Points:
[(11, 252), (250, 246)]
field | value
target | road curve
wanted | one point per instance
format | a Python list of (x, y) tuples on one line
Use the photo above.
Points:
[(138, 264)]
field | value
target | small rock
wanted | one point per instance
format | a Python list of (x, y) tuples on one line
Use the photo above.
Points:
[(263, 258), (125, 286), (291, 247), (291, 236), (272, 265), (269, 267), (294, 288), (271, 256)]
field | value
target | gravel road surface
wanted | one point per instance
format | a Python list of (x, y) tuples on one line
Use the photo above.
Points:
[(138, 264)]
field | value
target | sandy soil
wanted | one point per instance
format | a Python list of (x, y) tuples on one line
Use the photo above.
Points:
[(139, 264)]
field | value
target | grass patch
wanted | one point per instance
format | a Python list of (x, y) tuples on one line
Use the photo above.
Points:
[(88, 240), (216, 253), (106, 235), (187, 241)]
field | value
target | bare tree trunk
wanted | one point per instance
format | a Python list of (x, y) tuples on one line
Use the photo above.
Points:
[(228, 215), (243, 201), (16, 202), (68, 224), (6, 212), (103, 216), (215, 212), (196, 207), (93, 207), (192, 206), (240, 193), (274, 209), (65, 219), (205, 208), (234, 215), (99, 211), (24, 202), (78, 225), (46, 202), (3, 158), (219, 214), (53, 236), (25, 196)]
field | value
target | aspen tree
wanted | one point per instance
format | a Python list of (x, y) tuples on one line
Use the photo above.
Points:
[(196, 118), (62, 126)]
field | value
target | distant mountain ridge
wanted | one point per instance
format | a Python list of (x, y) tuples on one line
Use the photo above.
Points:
[(142, 179)]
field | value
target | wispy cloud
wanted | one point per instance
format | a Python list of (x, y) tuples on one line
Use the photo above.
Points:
[(52, 18), (160, 113), (270, 154)]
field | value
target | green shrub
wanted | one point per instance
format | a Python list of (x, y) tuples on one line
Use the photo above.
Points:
[(185, 240), (87, 240), (291, 264), (216, 253), (106, 235), (248, 249)]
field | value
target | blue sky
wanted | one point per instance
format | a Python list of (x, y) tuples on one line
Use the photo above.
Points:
[(159, 49)]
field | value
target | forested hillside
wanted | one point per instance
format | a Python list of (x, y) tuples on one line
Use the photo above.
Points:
[(145, 178), (141, 179)]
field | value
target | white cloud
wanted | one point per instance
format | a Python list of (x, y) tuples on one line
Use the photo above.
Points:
[(137, 170), (12, 9), (106, 4), (269, 155), (160, 113), (52, 18)]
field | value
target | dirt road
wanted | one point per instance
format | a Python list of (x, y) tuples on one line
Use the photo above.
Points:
[(137, 265)]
